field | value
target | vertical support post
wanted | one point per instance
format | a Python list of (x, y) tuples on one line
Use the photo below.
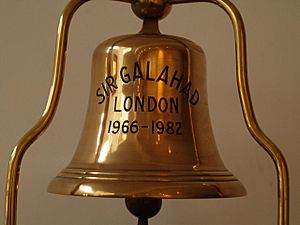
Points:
[(248, 111), (11, 196)]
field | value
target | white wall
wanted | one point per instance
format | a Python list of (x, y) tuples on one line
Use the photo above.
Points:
[(27, 38)]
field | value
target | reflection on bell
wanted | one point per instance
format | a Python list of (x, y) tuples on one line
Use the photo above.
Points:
[(147, 131), (147, 134)]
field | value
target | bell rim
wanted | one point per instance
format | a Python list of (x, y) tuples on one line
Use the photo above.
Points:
[(135, 188), (146, 175)]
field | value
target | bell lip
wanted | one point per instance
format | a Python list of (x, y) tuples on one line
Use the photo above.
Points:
[(151, 189)]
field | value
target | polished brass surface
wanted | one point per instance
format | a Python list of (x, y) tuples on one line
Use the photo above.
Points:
[(151, 9), (11, 197), (147, 130), (62, 37), (248, 112)]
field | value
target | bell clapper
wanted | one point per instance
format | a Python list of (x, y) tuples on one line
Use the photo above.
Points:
[(143, 208)]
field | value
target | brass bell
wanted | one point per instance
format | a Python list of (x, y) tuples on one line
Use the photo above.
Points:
[(147, 132)]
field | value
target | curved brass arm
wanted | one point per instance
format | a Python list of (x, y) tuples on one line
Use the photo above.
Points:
[(248, 112), (55, 90)]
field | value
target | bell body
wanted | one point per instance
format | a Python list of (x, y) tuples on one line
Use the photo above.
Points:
[(147, 131)]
